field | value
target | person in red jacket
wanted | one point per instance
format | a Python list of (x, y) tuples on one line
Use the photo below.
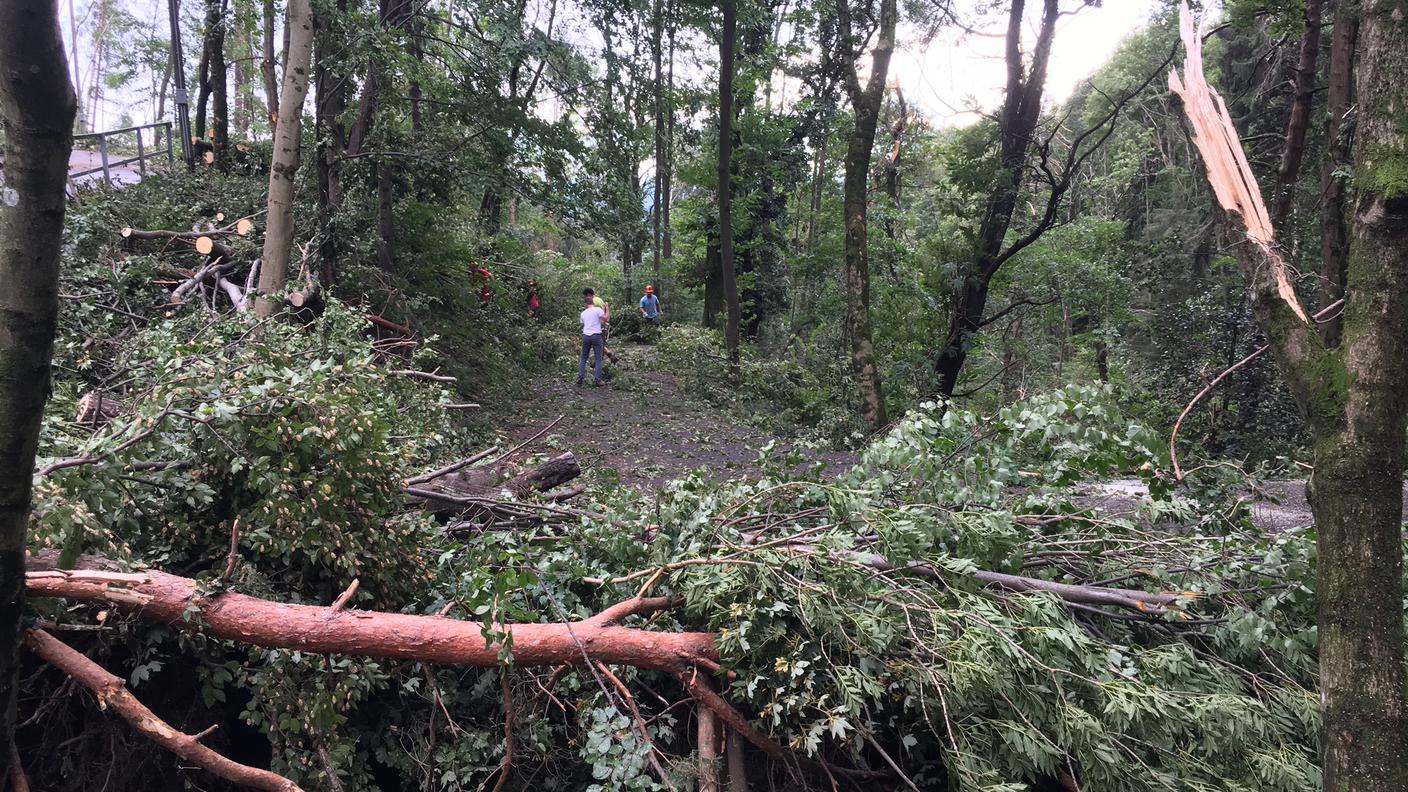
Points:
[(485, 293), (535, 305)]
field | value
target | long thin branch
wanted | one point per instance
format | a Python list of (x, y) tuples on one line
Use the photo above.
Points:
[(1014, 306), (451, 468), (1323, 315), (113, 695)]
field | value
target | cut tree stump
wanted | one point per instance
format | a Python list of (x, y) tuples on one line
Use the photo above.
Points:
[(95, 409)]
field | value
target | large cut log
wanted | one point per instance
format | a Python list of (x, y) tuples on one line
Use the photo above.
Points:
[(492, 481), (95, 409), (179, 602), (551, 474)]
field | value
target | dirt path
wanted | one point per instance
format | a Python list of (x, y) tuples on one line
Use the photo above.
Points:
[(641, 430)]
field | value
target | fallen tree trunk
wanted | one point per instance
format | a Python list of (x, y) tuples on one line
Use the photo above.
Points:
[(177, 601), (113, 695)]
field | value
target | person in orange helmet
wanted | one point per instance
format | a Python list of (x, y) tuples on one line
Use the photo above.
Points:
[(650, 305)]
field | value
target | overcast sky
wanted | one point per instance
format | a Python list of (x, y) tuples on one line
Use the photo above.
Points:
[(956, 72), (945, 78)]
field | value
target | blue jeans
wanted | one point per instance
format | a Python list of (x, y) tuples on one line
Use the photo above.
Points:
[(594, 344)]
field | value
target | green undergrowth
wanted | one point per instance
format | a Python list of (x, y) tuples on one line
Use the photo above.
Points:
[(781, 393), (301, 436)]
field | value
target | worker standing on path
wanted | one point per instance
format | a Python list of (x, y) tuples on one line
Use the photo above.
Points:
[(594, 321), (605, 330), (650, 305)]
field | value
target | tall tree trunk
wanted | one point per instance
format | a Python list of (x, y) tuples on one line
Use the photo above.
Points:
[(737, 756), (37, 109), (1021, 108), (865, 105), (707, 742), (97, 75), (1354, 398), (386, 217), (203, 70), (668, 181), (266, 64), (330, 102), (891, 183), (243, 114), (77, 76), (219, 95), (1293, 149), (713, 284), (278, 236), (818, 174), (161, 91), (1334, 231), (1356, 489), (728, 276), (657, 46)]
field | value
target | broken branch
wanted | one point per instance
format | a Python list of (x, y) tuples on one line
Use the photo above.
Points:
[(112, 694)]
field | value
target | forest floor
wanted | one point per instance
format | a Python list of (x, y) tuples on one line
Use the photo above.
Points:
[(642, 430)]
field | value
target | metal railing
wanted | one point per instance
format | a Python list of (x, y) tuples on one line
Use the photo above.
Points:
[(143, 152)]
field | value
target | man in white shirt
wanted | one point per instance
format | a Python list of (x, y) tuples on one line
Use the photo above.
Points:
[(593, 338)]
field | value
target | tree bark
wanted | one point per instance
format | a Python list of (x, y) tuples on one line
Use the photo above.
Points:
[(386, 217), (37, 109), (713, 284), (892, 172), (668, 181), (1293, 149), (1355, 401), (737, 762), (1334, 230), (1356, 489), (330, 103), (278, 235), (657, 46), (266, 64), (865, 105), (727, 274), (707, 743), (1021, 108), (219, 91)]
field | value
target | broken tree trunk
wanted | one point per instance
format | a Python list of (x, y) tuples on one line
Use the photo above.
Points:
[(113, 696), (180, 602)]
